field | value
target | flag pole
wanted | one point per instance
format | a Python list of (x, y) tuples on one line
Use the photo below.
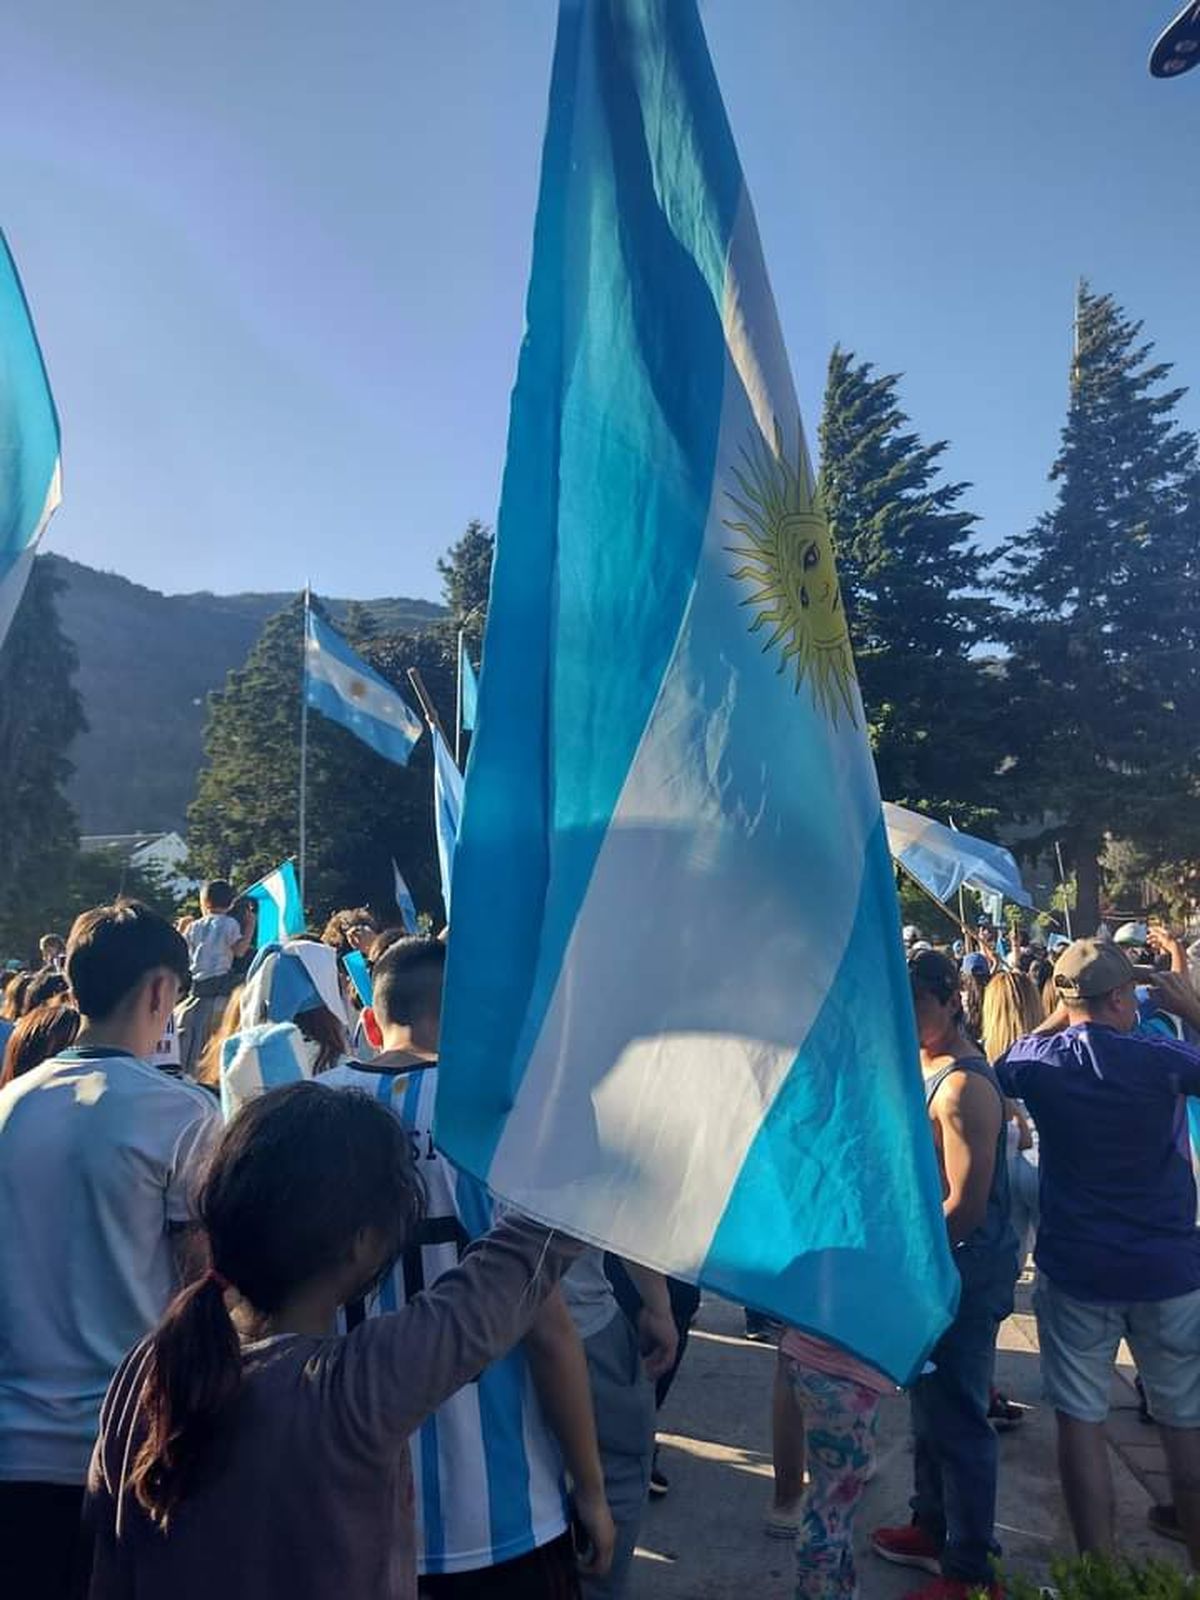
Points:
[(427, 705), (1062, 879), (304, 744), (458, 700), (941, 904)]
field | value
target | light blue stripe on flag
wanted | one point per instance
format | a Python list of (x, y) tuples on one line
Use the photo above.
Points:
[(341, 686), (404, 900), (501, 1389), (30, 478), (469, 691), (277, 901), (447, 811), (670, 878)]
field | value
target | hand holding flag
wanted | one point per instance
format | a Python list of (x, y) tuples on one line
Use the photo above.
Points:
[(727, 1090)]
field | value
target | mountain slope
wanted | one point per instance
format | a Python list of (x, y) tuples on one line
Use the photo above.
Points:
[(147, 663)]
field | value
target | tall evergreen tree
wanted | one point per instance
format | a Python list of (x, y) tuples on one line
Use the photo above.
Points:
[(1105, 588), (466, 572), (362, 810), (911, 583), (40, 715)]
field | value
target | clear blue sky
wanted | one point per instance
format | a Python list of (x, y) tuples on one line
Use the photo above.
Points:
[(277, 251)]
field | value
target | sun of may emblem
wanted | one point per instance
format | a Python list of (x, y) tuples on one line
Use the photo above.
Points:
[(788, 557)]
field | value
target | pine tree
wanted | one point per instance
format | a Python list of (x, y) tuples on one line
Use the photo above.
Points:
[(911, 580), (362, 810), (1103, 676), (40, 715), (466, 572)]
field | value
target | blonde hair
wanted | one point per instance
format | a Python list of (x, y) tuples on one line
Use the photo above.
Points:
[(1012, 1007)]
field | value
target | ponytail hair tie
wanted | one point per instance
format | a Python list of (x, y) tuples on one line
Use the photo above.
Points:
[(218, 1278)]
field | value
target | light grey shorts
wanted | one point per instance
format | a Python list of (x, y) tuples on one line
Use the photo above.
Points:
[(1079, 1343)]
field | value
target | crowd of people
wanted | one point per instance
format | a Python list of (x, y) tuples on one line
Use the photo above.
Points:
[(258, 1333)]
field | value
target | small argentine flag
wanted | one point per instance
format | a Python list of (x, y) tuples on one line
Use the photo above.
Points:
[(404, 900), (447, 811), (30, 477), (469, 691), (342, 687), (678, 1019), (277, 900)]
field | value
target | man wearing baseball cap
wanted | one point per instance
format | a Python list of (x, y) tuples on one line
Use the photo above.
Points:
[(1118, 1251)]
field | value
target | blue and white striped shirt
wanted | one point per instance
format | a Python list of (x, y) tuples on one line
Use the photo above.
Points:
[(486, 1469)]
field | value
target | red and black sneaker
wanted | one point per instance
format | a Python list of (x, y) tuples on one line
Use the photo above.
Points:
[(909, 1546)]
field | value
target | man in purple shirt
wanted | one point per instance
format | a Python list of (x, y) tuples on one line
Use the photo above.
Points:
[(1118, 1252)]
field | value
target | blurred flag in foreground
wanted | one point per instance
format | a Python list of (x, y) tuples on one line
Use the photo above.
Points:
[(468, 690), (30, 478), (404, 900), (277, 901), (447, 810), (678, 1019), (342, 687)]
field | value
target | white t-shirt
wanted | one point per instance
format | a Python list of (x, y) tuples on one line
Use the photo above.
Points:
[(98, 1158), (210, 942)]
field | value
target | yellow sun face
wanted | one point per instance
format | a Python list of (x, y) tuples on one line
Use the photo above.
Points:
[(788, 557)]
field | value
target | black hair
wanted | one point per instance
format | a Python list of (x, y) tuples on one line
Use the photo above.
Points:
[(112, 948), (299, 1173), (217, 893), (44, 986), (935, 973), (406, 979)]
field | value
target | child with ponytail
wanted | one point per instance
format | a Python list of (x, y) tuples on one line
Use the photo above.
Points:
[(246, 1450)]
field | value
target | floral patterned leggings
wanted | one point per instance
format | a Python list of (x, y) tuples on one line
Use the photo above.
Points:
[(839, 1424)]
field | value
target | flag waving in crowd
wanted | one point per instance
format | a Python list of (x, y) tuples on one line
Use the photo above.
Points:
[(342, 687), (30, 478), (277, 902), (447, 809), (697, 986)]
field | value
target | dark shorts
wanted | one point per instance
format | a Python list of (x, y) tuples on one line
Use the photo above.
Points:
[(547, 1573), (43, 1550)]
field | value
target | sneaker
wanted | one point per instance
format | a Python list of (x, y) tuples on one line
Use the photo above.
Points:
[(908, 1546), (761, 1329), (955, 1589), (659, 1483), (1003, 1415), (1164, 1519), (783, 1522)]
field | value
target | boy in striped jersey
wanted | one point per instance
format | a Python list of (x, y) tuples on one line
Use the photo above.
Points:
[(492, 1510)]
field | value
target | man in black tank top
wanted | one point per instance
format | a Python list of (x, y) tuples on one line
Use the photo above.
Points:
[(952, 1532)]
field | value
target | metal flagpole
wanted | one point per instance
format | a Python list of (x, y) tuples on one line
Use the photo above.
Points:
[(304, 746), (458, 702), (1062, 879)]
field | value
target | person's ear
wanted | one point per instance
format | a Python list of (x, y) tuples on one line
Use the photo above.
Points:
[(157, 995), (371, 1028)]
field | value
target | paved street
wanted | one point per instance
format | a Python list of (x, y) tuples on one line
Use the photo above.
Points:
[(704, 1541)]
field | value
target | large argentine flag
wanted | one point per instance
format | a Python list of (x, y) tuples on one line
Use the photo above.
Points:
[(678, 1018), (342, 687), (30, 479)]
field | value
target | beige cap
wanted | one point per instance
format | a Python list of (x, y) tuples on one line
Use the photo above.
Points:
[(1092, 967)]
